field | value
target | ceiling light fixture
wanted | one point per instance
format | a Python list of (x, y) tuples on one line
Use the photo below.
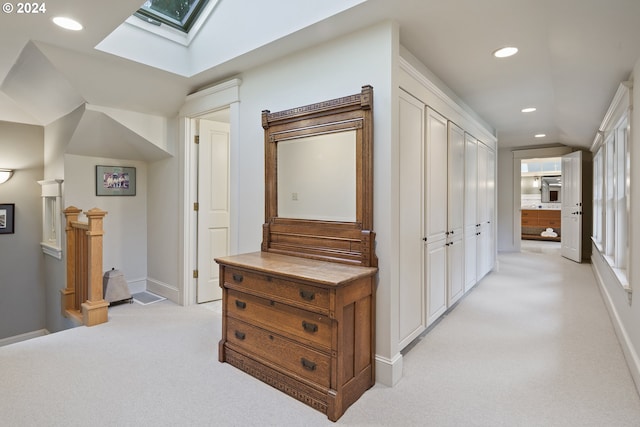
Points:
[(540, 135), (5, 174), (528, 110), (67, 23), (505, 52)]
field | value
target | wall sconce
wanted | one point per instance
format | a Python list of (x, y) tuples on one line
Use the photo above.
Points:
[(5, 174), (536, 183)]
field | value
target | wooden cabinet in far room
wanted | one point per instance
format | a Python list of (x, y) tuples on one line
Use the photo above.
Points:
[(535, 221)]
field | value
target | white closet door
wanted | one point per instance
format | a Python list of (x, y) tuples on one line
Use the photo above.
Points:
[(456, 174), (455, 270), (455, 248), (436, 280), (412, 318), (470, 211), (436, 176)]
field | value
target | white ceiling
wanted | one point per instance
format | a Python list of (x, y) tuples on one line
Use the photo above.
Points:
[(573, 55)]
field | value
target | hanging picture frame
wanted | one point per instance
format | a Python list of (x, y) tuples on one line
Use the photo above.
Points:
[(7, 218), (115, 181)]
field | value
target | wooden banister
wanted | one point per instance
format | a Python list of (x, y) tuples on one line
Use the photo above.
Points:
[(82, 299)]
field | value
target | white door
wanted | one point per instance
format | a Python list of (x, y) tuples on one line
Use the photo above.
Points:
[(435, 173), (571, 220), (455, 249), (436, 278), (470, 211), (411, 293), (213, 211), (455, 270)]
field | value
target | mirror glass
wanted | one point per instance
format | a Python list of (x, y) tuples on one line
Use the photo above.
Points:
[(551, 190), (316, 177)]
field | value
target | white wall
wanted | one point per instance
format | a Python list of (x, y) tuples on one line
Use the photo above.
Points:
[(164, 222), (22, 294), (506, 213), (125, 226)]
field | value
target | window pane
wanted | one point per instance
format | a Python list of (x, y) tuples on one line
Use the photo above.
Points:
[(179, 14)]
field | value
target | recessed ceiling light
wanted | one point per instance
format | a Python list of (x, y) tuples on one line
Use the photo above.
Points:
[(505, 52), (528, 110), (540, 135), (67, 23)]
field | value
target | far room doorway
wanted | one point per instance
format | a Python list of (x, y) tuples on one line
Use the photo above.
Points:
[(537, 199)]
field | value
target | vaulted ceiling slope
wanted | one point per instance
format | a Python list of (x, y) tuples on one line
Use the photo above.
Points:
[(573, 55)]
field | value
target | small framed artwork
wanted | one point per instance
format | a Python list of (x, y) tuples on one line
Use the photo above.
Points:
[(115, 181), (7, 218)]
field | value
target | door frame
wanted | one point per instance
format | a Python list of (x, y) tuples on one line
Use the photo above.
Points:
[(518, 156), (222, 96)]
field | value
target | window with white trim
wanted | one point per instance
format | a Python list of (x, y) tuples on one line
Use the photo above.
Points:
[(611, 196)]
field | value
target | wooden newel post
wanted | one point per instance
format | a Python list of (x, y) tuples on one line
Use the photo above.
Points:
[(68, 294), (95, 309)]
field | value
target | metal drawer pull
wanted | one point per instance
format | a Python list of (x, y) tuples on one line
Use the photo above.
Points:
[(241, 304), (309, 327), (237, 277), (240, 335), (308, 295), (308, 365)]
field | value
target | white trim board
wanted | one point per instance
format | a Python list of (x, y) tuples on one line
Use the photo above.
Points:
[(23, 337)]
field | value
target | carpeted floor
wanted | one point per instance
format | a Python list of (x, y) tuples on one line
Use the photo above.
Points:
[(531, 345)]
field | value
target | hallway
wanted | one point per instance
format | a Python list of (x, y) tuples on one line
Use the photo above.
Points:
[(531, 345)]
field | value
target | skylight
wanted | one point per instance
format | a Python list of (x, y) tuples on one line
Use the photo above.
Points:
[(179, 14)]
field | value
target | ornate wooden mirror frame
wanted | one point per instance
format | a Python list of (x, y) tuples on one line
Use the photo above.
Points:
[(337, 241)]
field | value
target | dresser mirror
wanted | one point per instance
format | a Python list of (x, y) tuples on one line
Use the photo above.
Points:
[(317, 177), (319, 180)]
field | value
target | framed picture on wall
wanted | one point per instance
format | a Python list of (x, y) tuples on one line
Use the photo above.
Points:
[(115, 181), (7, 215)]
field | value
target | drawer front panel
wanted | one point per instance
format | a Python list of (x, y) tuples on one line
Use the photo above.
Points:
[(308, 327), (291, 356), (529, 222), (284, 290), (549, 214)]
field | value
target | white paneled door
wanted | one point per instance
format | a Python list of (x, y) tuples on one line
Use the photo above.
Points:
[(571, 220), (213, 211)]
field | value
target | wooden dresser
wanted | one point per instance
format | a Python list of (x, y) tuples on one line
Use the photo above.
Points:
[(304, 326), (300, 314)]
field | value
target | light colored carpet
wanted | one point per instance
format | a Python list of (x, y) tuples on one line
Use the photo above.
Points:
[(531, 345)]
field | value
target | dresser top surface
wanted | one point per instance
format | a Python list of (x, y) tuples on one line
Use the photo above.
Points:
[(292, 267)]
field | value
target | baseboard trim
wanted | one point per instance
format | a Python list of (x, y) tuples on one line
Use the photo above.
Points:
[(388, 371), (23, 337), (630, 353), (137, 285), (163, 289)]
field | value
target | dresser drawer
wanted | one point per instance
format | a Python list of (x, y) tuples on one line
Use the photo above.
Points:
[(553, 223), (531, 222), (271, 287), (308, 327), (289, 355)]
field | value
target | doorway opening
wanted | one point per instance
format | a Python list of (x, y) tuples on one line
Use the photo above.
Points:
[(537, 198), (540, 199)]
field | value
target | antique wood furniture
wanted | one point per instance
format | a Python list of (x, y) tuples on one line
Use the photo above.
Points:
[(535, 221), (300, 314)]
